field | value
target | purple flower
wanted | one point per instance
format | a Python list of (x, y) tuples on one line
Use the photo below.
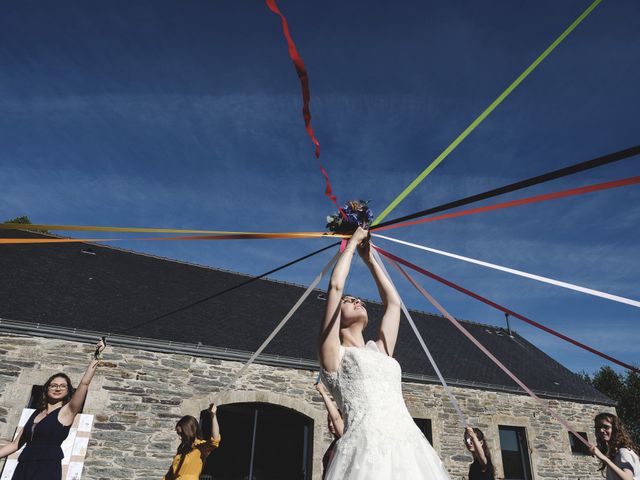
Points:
[(358, 215)]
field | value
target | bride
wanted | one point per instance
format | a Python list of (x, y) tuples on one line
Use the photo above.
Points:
[(380, 441)]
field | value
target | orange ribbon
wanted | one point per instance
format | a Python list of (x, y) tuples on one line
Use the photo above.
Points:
[(244, 236)]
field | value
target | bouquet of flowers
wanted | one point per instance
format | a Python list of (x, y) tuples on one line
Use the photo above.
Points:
[(358, 215)]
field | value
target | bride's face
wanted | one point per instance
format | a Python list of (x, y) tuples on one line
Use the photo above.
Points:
[(353, 311)]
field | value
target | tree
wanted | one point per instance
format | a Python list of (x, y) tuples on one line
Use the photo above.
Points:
[(23, 220), (623, 388)]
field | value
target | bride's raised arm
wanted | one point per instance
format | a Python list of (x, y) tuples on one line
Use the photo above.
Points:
[(329, 339), (388, 334)]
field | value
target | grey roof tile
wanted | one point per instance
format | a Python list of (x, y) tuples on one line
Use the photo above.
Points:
[(114, 290)]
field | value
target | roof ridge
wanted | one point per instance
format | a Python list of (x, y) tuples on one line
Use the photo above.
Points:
[(269, 279)]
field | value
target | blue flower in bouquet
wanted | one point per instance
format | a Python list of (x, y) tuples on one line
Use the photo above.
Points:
[(358, 215)]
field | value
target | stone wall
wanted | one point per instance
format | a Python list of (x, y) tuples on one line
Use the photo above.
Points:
[(137, 396)]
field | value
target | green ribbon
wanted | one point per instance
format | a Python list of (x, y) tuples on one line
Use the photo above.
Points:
[(482, 116)]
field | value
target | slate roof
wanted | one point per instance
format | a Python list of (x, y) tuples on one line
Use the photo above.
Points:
[(106, 289)]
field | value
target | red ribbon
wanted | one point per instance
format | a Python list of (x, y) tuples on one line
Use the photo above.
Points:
[(545, 406), (306, 97), (504, 309), (521, 201)]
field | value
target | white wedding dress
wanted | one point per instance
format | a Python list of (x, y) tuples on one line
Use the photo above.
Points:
[(381, 440)]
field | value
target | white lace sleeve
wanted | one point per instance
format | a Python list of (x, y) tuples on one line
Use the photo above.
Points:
[(330, 378)]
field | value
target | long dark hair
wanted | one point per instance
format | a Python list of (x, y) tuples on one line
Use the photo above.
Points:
[(620, 438), (485, 449), (190, 433), (43, 400)]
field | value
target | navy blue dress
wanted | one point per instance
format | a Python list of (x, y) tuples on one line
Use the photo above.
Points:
[(476, 473), (42, 455)]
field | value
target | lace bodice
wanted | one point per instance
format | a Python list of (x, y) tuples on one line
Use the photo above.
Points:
[(381, 440), (366, 386)]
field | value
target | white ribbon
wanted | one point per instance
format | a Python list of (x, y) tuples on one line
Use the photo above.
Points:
[(513, 271), (463, 420), (466, 333), (279, 327)]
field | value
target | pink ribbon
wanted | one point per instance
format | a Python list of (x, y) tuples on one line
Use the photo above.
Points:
[(394, 262)]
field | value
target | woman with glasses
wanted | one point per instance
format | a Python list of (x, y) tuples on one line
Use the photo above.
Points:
[(49, 425), (381, 440), (616, 450)]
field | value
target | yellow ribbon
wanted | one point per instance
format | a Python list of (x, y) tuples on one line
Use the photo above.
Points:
[(84, 228)]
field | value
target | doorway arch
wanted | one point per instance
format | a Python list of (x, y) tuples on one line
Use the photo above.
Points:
[(262, 441)]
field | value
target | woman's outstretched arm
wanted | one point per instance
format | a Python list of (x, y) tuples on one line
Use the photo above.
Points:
[(12, 446), (215, 428), (388, 334), (329, 339), (211, 433), (479, 451), (71, 409), (621, 473), (332, 410)]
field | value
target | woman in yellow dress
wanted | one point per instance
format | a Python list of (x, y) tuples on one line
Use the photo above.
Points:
[(194, 449)]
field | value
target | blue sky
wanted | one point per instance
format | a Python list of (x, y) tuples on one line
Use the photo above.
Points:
[(187, 115)]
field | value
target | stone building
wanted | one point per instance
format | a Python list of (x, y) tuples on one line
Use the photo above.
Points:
[(178, 333)]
